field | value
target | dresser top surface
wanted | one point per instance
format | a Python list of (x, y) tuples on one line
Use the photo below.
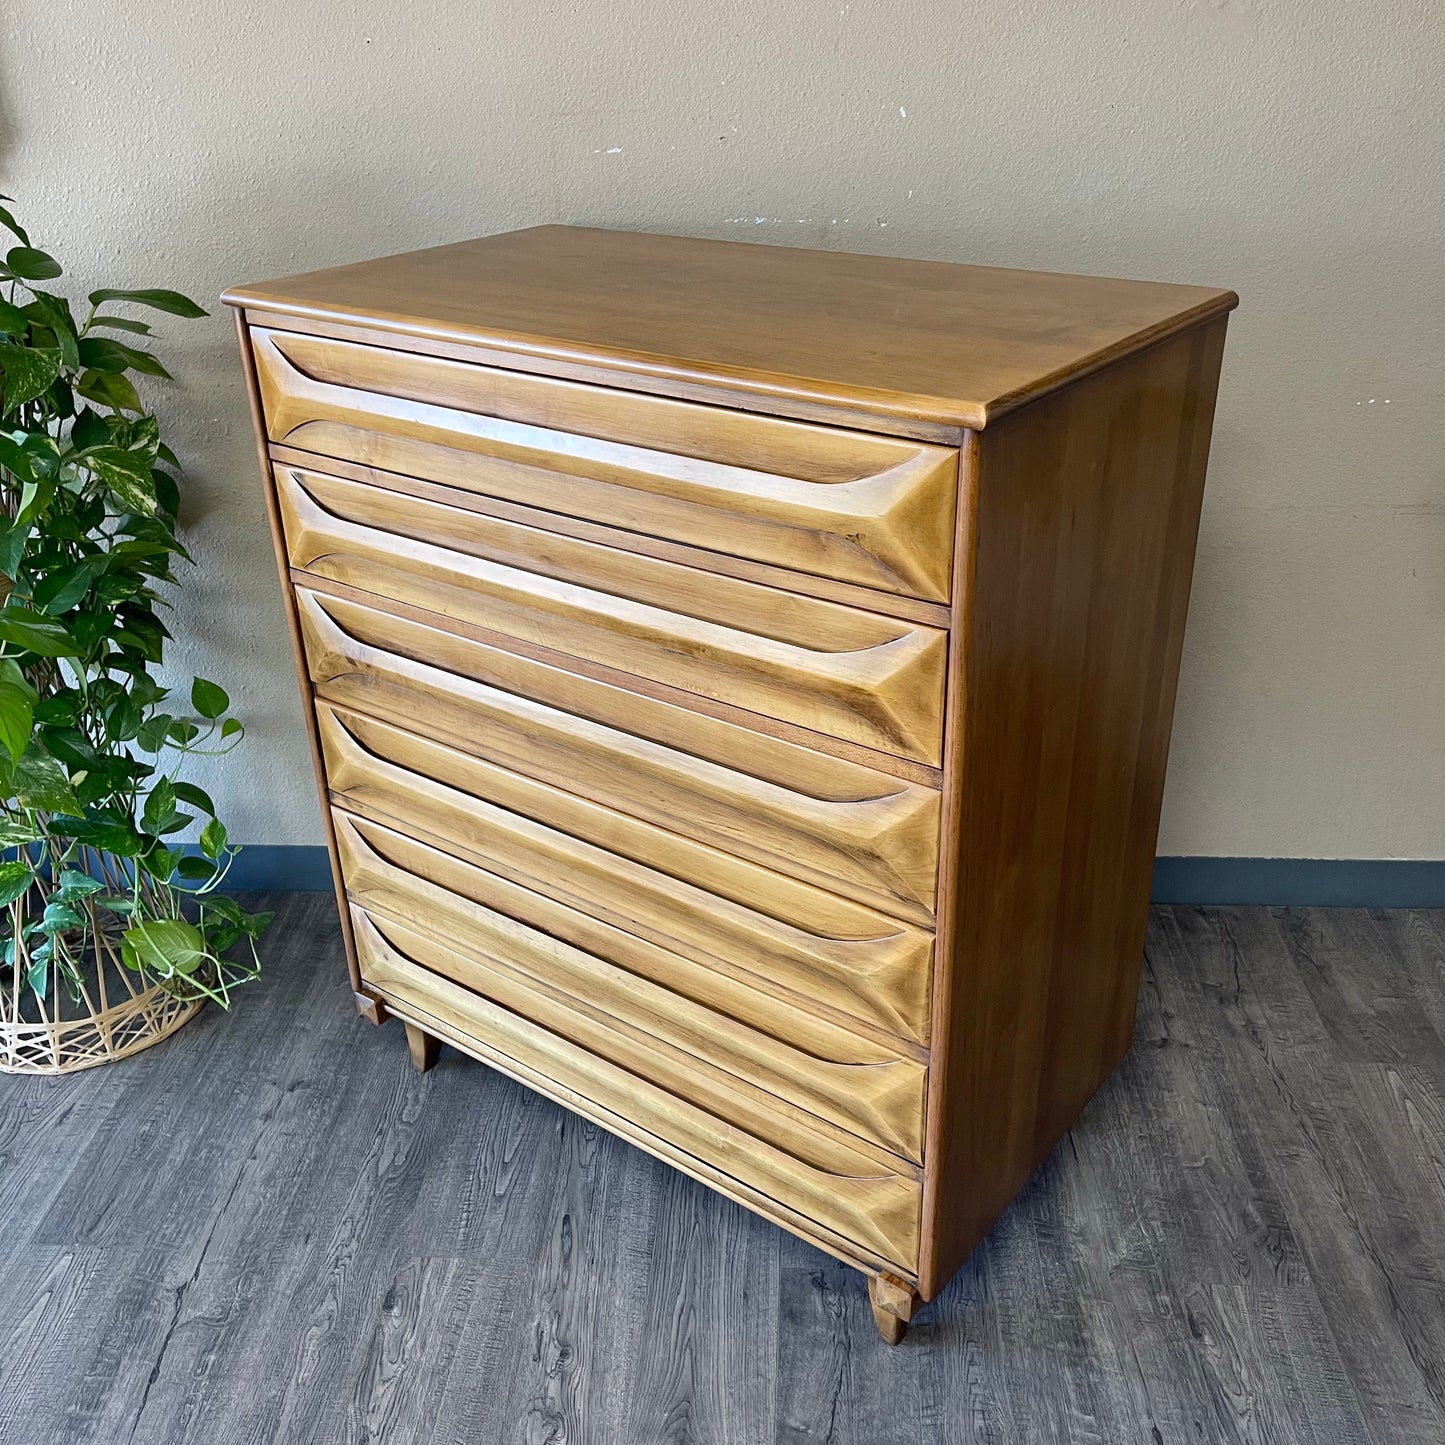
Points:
[(922, 340)]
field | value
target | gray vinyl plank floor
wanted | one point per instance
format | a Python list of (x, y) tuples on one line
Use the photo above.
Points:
[(270, 1229)]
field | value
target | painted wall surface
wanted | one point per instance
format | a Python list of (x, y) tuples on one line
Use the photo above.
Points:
[(1291, 149)]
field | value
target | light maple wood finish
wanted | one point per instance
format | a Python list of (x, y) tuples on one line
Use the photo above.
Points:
[(867, 679), (752, 923), (864, 1193), (846, 505), (862, 1086), (423, 1047), (809, 584), (1082, 548), (893, 1301), (802, 813), (670, 699), (894, 339), (367, 1007)]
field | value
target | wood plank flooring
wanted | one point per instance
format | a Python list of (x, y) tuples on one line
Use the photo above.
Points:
[(270, 1229)]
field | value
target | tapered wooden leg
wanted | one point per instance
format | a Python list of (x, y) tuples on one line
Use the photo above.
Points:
[(422, 1046), (893, 1305)]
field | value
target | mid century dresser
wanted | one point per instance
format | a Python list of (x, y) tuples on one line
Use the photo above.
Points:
[(740, 682)]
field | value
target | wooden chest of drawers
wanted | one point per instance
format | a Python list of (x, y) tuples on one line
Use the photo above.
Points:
[(740, 683)]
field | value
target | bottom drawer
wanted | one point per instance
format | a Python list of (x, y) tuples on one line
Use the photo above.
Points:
[(702, 1032), (817, 1179)]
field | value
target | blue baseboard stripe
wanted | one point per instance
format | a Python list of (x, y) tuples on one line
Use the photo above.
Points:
[(1318, 882), (298, 867)]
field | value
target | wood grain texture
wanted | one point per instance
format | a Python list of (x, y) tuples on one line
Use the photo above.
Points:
[(862, 677), (947, 343), (812, 817), (663, 736), (872, 510), (1082, 543), (760, 927), (809, 584), (859, 1084), (697, 389), (423, 1048), (820, 1176), (893, 1302), (1224, 1249), (298, 650)]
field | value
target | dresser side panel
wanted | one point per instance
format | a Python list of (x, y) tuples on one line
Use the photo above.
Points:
[(1072, 608)]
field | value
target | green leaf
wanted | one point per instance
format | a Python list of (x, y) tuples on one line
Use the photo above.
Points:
[(54, 312), (110, 389), (35, 500), (58, 917), (168, 494), (13, 321), (32, 265), (15, 878), (196, 797), (102, 832), (101, 354), (122, 323), (39, 967), (133, 357), (13, 226), (213, 838), (61, 398), (164, 946), (208, 698), (160, 300), (17, 833), (17, 716), (40, 783), (32, 456), (126, 473), (35, 633), (123, 719), (152, 735), (160, 808), (198, 870), (29, 370), (61, 707), (60, 590), (231, 727), (88, 430), (74, 885), (160, 862)]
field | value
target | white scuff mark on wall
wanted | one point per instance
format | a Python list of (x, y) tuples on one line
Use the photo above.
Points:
[(610, 151), (902, 112)]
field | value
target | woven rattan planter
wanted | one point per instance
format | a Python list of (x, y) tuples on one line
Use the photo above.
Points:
[(111, 1019)]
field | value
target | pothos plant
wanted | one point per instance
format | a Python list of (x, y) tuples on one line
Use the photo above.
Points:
[(91, 744)]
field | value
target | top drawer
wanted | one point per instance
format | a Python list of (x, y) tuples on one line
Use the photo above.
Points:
[(873, 510)]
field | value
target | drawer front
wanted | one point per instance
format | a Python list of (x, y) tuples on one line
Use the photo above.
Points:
[(865, 1195), (854, 675), (732, 917), (878, 511), (700, 1024), (816, 817)]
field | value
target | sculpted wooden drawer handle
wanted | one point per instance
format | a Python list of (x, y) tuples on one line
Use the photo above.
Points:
[(868, 509)]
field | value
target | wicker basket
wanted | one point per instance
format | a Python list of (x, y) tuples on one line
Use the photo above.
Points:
[(111, 1018)]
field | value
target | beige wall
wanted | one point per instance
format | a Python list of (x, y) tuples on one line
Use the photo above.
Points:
[(1294, 151)]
